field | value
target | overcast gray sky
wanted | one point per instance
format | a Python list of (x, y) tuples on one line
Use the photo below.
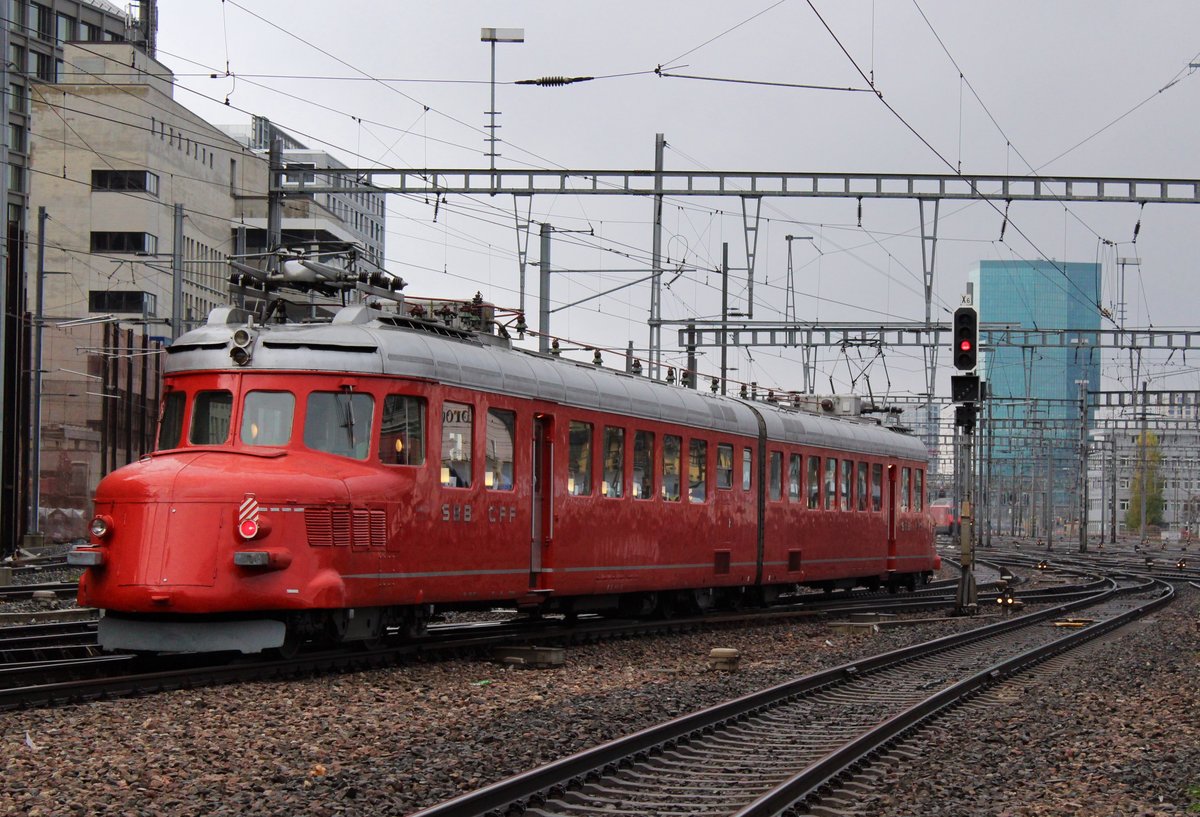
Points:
[(1073, 88)]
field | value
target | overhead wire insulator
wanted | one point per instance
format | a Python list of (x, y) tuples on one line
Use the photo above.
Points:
[(552, 82)]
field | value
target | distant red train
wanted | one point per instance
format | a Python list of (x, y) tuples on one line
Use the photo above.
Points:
[(345, 480)]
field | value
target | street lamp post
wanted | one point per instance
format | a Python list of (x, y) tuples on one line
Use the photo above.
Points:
[(493, 36)]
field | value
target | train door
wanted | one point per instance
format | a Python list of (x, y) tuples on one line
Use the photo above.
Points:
[(892, 507), (542, 472)]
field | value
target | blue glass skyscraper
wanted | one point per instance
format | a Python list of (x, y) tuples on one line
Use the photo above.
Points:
[(1034, 390)]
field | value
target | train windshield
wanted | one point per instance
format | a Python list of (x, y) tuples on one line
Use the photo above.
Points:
[(267, 417), (211, 413), (339, 423), (170, 430)]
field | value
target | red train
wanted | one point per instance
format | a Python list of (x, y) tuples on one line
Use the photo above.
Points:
[(342, 480)]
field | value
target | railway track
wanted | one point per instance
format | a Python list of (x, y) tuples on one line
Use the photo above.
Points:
[(767, 753)]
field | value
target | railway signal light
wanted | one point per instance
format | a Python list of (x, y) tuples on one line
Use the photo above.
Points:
[(966, 338), (964, 417), (964, 388)]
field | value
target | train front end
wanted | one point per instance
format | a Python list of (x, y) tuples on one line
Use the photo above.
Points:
[(207, 544)]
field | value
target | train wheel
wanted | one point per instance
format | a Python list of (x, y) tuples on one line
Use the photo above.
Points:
[(292, 641)]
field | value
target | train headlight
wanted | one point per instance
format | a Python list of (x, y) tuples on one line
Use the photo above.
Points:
[(101, 526), (243, 345)]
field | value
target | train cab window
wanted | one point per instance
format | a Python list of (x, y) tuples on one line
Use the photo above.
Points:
[(458, 431), (697, 470), (794, 477), (579, 459), (402, 431), (267, 417), (672, 454), (643, 465), (814, 483), (211, 413), (918, 498), (876, 487), (724, 466), (775, 475), (830, 483), (339, 422), (747, 461), (170, 427), (847, 482), (501, 442), (905, 477), (861, 486), (613, 484)]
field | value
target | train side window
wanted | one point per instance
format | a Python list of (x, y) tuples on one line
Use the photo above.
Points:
[(697, 470), (847, 481), (579, 459), (267, 417), (672, 453), (724, 466), (794, 477), (830, 483), (339, 422), (814, 483), (876, 487), (775, 475), (614, 463), (905, 478), (862, 486), (643, 465), (170, 427), (458, 430), (498, 458), (402, 432), (211, 413), (747, 461)]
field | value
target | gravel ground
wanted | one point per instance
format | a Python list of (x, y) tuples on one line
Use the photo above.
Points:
[(1119, 734)]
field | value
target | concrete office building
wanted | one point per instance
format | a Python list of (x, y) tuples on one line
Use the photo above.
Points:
[(33, 35), (135, 187)]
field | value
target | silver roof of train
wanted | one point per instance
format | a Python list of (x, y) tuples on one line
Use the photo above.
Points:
[(363, 340)]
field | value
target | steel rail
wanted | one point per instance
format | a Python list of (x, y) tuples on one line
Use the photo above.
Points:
[(537, 785)]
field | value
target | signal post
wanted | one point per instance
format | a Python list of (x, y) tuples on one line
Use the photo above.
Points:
[(966, 392)]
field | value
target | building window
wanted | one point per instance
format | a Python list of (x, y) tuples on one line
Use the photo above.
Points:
[(16, 56), (140, 180), (123, 300), (43, 19), (89, 32), (16, 137), (42, 66), (64, 29), (124, 242)]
